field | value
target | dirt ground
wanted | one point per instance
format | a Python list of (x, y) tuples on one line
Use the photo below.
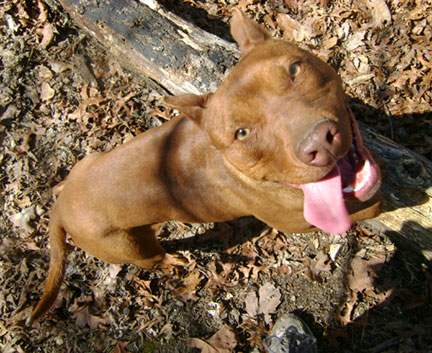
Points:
[(62, 97)]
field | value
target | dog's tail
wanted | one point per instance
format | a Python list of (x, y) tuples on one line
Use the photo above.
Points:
[(57, 238)]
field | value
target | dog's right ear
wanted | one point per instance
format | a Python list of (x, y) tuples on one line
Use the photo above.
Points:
[(247, 33), (191, 105)]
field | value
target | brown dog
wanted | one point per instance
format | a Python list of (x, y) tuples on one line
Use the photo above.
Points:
[(276, 141)]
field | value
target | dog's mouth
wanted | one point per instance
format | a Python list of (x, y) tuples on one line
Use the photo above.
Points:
[(356, 175)]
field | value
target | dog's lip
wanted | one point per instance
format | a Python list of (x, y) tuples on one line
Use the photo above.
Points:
[(366, 178)]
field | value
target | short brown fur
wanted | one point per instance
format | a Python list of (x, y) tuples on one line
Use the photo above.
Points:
[(193, 169)]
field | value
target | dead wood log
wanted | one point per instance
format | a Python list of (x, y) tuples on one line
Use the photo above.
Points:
[(180, 57), (183, 58)]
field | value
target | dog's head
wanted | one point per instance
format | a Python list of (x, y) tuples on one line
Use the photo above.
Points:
[(281, 117)]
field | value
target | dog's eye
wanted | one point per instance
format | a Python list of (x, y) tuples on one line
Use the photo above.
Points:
[(242, 133), (294, 69)]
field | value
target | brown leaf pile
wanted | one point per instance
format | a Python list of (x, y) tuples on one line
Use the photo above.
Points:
[(62, 97)]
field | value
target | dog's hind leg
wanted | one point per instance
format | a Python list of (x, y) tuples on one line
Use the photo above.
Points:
[(140, 246)]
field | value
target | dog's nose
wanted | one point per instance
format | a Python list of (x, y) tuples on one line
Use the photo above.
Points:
[(322, 146)]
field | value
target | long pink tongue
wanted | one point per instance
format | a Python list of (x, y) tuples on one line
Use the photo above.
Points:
[(324, 205)]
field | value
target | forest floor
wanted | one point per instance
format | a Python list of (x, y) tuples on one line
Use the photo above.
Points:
[(62, 97)]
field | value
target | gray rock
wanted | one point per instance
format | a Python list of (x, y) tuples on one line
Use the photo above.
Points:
[(290, 335)]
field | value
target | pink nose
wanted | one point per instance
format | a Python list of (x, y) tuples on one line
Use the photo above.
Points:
[(322, 146)]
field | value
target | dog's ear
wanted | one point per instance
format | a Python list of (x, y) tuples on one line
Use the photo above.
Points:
[(246, 32), (191, 105)]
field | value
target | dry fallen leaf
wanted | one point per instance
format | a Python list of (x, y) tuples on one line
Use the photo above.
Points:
[(293, 30), (330, 42), (251, 304), (355, 40), (345, 313), (223, 341), (417, 13), (120, 348), (334, 251), (84, 318), (45, 74), (189, 286), (321, 263), (364, 272), (361, 63), (59, 66), (23, 219), (202, 345), (10, 113), (11, 24), (380, 12), (243, 4), (47, 35), (22, 14), (43, 13), (47, 92), (111, 277), (269, 300)]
